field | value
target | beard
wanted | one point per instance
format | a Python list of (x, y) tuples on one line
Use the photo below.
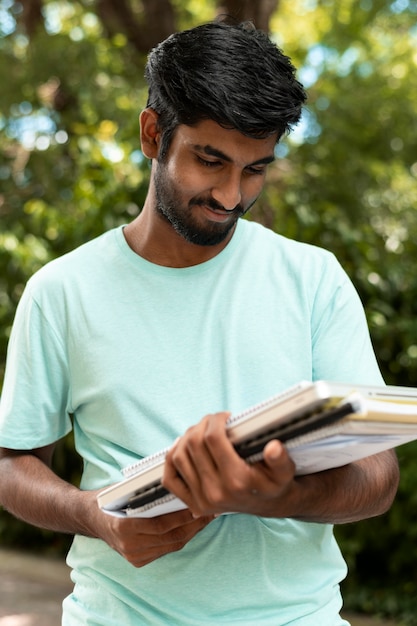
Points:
[(170, 207)]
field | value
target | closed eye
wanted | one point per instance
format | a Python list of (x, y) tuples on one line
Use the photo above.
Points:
[(207, 163), (256, 170)]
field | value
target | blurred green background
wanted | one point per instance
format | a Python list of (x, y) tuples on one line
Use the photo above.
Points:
[(72, 87)]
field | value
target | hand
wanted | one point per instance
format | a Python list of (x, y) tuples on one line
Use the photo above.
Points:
[(142, 540), (204, 470)]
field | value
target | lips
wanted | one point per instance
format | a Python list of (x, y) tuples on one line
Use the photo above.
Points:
[(221, 211), (218, 215)]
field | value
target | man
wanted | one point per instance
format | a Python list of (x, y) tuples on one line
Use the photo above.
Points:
[(186, 312)]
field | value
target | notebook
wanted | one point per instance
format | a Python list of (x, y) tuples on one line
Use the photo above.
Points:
[(323, 425)]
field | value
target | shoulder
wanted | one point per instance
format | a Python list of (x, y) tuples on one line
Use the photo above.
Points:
[(81, 263), (271, 247)]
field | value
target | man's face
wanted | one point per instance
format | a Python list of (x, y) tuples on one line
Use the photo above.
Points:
[(209, 178)]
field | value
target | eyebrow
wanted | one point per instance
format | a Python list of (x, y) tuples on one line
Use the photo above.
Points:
[(210, 151)]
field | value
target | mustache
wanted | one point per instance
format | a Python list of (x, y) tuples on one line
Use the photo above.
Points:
[(213, 204)]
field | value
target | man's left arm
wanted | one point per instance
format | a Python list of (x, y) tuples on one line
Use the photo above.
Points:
[(362, 489), (204, 470)]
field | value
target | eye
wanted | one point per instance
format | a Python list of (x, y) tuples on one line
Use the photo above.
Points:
[(207, 163), (257, 171)]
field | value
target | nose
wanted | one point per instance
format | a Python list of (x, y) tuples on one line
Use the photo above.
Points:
[(227, 191)]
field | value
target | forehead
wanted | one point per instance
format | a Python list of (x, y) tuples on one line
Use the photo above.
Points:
[(209, 137)]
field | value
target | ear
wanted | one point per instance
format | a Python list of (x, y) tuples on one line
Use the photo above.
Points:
[(149, 133)]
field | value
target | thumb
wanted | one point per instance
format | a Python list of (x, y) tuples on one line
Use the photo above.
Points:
[(275, 454)]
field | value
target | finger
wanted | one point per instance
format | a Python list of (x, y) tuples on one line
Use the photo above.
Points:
[(279, 465), (158, 525), (185, 532), (275, 455), (216, 439), (189, 464), (148, 548)]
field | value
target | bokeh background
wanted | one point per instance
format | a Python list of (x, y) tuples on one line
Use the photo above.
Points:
[(72, 87)]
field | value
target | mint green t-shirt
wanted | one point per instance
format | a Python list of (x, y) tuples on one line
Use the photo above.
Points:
[(136, 353)]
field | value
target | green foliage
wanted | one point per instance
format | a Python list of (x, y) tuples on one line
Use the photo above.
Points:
[(69, 148), (70, 168), (380, 553)]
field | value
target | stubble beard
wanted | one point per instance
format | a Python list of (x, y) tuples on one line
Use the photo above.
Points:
[(169, 207)]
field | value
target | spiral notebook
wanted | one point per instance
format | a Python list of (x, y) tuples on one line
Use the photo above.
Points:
[(322, 424)]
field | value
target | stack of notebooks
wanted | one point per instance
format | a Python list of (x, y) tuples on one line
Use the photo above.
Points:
[(322, 424)]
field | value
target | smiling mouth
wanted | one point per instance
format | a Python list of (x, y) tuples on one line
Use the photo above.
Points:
[(221, 211), (218, 215)]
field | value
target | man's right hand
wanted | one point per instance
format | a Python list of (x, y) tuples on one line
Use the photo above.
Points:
[(142, 540)]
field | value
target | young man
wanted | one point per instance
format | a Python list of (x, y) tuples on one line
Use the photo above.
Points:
[(187, 312)]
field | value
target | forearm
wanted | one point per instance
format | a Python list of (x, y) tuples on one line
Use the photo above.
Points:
[(357, 491), (31, 491)]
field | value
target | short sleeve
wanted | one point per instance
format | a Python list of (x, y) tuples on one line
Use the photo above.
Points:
[(341, 343), (34, 406)]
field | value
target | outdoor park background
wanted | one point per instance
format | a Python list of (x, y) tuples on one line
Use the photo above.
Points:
[(346, 179)]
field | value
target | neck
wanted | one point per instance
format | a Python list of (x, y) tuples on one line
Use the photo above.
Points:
[(155, 240)]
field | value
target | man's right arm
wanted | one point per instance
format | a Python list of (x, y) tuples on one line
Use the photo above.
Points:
[(31, 491)]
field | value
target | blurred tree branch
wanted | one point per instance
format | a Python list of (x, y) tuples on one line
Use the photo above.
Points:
[(150, 21)]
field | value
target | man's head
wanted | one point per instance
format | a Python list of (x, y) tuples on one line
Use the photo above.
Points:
[(231, 74)]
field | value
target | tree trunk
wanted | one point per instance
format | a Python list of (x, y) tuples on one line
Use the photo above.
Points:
[(31, 15), (258, 11), (156, 23)]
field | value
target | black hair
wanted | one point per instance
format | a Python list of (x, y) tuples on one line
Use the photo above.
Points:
[(232, 74)]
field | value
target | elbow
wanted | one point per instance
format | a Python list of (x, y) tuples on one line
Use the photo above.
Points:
[(391, 480)]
